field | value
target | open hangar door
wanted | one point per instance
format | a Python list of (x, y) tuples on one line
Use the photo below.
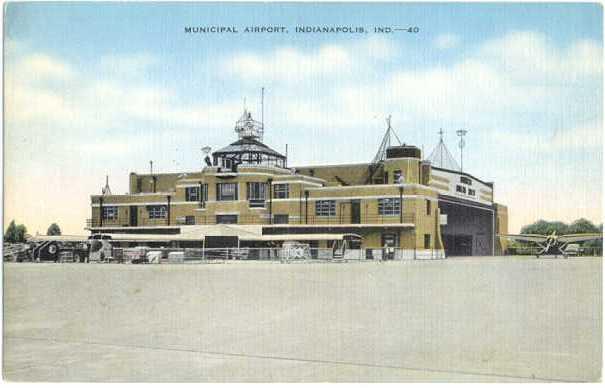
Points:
[(470, 228)]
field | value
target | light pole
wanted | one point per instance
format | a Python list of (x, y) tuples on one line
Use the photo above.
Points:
[(461, 144)]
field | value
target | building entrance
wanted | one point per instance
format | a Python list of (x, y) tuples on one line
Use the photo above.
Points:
[(470, 227), (458, 244)]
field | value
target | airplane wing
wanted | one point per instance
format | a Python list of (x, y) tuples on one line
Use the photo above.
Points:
[(525, 237), (575, 238)]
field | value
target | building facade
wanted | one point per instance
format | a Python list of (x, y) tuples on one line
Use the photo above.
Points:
[(397, 200)]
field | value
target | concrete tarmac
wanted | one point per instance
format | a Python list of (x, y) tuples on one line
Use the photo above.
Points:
[(464, 320)]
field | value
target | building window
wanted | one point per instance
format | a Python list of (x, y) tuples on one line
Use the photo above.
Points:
[(428, 207), (227, 163), (189, 220), (192, 194), (460, 189), (389, 240), (226, 219), (110, 213), (397, 176), (427, 241), (325, 208), (389, 206), (281, 190), (226, 191), (471, 192), (157, 211), (280, 219), (256, 194), (465, 180)]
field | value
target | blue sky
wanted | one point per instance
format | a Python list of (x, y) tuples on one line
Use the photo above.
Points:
[(101, 88)]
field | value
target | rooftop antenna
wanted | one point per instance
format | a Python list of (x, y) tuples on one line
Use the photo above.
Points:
[(461, 144), (106, 190), (153, 178), (441, 141), (386, 142), (382, 150), (441, 156)]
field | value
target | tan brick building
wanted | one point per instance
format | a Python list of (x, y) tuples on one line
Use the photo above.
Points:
[(393, 201)]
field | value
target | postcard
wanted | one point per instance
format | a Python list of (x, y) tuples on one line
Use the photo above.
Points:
[(302, 192)]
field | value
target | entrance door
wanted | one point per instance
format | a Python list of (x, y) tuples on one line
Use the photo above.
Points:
[(355, 211), (389, 242), (134, 213)]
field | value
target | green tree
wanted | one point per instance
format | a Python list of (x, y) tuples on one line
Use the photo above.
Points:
[(545, 227), (53, 230), (21, 231), (15, 233), (10, 233), (582, 226)]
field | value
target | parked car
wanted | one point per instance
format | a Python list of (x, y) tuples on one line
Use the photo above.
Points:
[(572, 250)]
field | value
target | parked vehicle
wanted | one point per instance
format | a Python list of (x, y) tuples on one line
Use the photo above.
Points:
[(135, 255), (61, 251), (572, 250)]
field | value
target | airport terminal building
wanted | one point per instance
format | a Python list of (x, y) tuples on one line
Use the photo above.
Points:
[(248, 190)]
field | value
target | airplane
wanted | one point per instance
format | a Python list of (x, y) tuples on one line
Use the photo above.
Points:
[(547, 242)]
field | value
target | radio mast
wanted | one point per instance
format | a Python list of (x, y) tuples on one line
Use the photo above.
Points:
[(461, 144)]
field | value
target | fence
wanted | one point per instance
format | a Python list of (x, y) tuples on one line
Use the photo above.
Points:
[(535, 251), (16, 252), (285, 254)]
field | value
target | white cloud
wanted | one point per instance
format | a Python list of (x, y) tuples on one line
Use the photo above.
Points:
[(25, 105), (44, 67), (128, 65), (510, 82), (447, 41), (531, 57), (289, 64), (497, 85), (586, 136), (294, 65), (85, 103)]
